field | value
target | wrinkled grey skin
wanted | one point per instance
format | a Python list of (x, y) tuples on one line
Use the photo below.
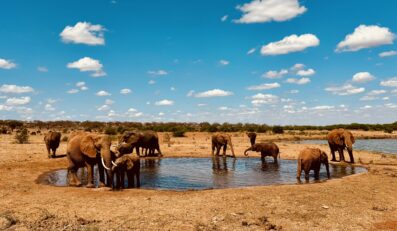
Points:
[(311, 159), (220, 140), (127, 164), (142, 139), (338, 140), (52, 140), (266, 149)]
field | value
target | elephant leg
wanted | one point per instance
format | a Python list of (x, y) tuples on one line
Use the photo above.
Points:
[(275, 158), (333, 154), (160, 154), (53, 152), (48, 150), (307, 175), (121, 182), (224, 149), (351, 157), (90, 171), (218, 149), (73, 179), (341, 156), (138, 180), (263, 156), (317, 174), (130, 179), (298, 172)]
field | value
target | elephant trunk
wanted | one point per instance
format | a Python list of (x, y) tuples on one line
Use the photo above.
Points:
[(248, 149), (107, 163), (327, 168)]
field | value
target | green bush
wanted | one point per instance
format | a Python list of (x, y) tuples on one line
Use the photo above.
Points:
[(179, 132), (388, 130), (22, 137), (110, 131), (277, 130)]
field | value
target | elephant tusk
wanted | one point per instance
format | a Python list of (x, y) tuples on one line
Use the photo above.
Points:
[(114, 164), (103, 163)]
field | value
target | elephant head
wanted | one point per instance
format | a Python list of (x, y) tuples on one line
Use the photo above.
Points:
[(123, 161), (324, 161), (130, 137), (252, 137), (252, 148)]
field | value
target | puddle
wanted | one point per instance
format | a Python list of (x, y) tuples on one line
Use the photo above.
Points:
[(208, 173)]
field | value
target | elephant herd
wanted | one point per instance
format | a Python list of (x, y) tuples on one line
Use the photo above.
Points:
[(86, 149)]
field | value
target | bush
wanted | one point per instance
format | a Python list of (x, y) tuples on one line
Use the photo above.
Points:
[(179, 132), (65, 130), (110, 131), (388, 130), (22, 137), (65, 139), (277, 130)]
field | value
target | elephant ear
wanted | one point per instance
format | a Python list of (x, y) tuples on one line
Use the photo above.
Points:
[(337, 139), (351, 137), (87, 146)]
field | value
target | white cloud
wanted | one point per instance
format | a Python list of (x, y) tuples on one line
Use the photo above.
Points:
[(366, 107), (6, 88), (365, 37), (377, 92), (362, 77), (260, 99), (42, 69), (224, 62), (151, 82), (323, 107), (190, 93), (265, 86), (84, 33), (104, 107), (164, 102), (103, 93), (109, 102), (275, 74), (213, 93), (292, 43), (5, 108), (392, 82), (251, 51), (224, 18), (223, 108), (18, 101), (308, 72), (6, 64), (300, 81), (72, 91), (387, 54), (157, 72), (125, 91), (88, 64), (49, 107), (259, 11), (294, 92), (201, 105), (82, 86), (346, 89), (298, 66)]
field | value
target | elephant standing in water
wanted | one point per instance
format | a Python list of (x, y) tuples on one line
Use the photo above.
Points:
[(311, 159), (338, 140), (146, 140), (252, 136), (221, 140), (130, 165), (86, 150), (266, 149), (52, 140)]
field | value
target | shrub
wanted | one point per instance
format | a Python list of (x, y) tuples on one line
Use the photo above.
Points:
[(22, 137), (65, 130), (179, 132), (65, 139), (110, 131), (388, 130), (277, 130)]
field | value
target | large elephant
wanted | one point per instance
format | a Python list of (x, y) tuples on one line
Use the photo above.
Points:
[(142, 139), (311, 159), (220, 140), (266, 149), (252, 136), (86, 150), (338, 140), (127, 164), (52, 140)]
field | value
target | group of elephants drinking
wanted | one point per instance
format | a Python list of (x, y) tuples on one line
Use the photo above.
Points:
[(85, 149)]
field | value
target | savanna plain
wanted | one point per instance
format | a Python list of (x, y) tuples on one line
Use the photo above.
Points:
[(364, 201)]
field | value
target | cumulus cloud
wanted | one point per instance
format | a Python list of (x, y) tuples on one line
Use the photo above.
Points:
[(365, 37), (213, 93), (84, 33), (125, 91), (88, 64), (103, 93), (346, 89), (387, 54), (82, 86), (260, 99), (275, 74), (392, 82), (308, 72), (288, 44), (6, 64), (14, 89), (259, 11), (298, 66), (164, 102), (362, 77), (157, 72), (18, 101), (72, 91), (224, 62), (265, 86), (300, 81)]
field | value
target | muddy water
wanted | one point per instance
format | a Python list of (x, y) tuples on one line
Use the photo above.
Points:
[(208, 173)]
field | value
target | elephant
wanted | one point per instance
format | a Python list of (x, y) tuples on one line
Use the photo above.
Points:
[(127, 164), (86, 150), (221, 140), (266, 149), (311, 159), (338, 140), (252, 136), (52, 140), (142, 139)]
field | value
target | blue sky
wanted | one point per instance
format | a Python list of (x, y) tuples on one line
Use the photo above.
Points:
[(269, 61)]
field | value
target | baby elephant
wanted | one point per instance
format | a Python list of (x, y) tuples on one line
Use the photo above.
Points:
[(266, 149), (311, 159), (129, 164)]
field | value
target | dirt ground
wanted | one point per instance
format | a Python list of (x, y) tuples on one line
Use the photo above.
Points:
[(366, 201)]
